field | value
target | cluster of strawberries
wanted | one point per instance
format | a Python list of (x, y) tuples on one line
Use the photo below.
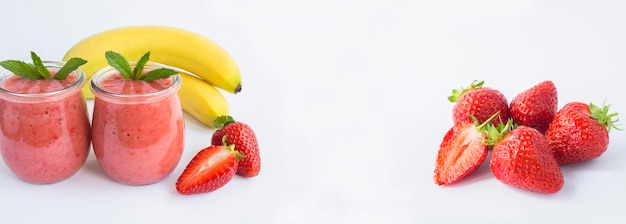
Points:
[(529, 137), (234, 150)]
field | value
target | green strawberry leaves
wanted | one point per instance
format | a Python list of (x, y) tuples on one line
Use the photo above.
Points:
[(602, 115), (493, 133), (120, 63), (222, 121), (37, 70), (457, 93)]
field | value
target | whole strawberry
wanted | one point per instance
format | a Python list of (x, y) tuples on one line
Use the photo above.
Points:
[(523, 159), (535, 107), (245, 141), (462, 150), (479, 101), (580, 132)]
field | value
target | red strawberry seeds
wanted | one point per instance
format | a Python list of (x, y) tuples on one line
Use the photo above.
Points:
[(523, 159), (243, 137), (479, 101), (210, 169), (463, 149), (527, 147), (580, 132), (535, 107)]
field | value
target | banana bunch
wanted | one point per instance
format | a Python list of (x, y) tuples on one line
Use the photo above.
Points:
[(204, 65)]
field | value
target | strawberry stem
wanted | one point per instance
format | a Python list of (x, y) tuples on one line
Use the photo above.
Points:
[(602, 115), (457, 93), (494, 133), (485, 123), (231, 148)]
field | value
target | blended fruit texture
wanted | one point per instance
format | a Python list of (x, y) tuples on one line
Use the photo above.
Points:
[(43, 141), (137, 143)]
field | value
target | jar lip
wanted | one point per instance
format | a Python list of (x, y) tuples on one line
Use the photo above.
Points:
[(109, 70), (78, 73)]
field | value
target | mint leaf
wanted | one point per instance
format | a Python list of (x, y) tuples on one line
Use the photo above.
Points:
[(160, 73), (21, 69), (69, 66), (138, 71), (120, 63), (39, 67)]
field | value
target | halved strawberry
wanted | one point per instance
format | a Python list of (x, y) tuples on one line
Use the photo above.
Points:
[(464, 148), (210, 169)]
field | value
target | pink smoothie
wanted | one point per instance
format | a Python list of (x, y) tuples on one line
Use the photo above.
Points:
[(44, 138), (137, 142)]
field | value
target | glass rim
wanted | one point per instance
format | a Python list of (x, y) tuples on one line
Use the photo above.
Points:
[(109, 70), (80, 80)]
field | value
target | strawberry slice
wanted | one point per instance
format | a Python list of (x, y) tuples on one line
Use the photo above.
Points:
[(210, 169), (464, 148)]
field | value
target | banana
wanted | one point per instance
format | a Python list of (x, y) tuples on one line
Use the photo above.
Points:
[(167, 45), (202, 100)]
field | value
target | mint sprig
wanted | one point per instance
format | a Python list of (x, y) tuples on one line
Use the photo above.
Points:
[(21, 69), (120, 63), (69, 66), (39, 66), (37, 70)]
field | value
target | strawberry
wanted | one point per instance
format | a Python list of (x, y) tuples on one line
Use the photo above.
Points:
[(210, 169), (463, 149), (580, 132), (243, 137), (535, 107), (479, 101), (523, 159)]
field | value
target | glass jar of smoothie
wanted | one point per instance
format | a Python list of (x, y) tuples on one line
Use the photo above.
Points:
[(44, 127), (137, 126)]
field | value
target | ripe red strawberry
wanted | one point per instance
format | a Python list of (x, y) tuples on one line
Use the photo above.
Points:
[(523, 159), (479, 101), (210, 169), (463, 149), (580, 132), (535, 107), (243, 137)]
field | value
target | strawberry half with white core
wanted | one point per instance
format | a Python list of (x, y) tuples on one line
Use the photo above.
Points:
[(479, 101), (464, 148), (210, 169)]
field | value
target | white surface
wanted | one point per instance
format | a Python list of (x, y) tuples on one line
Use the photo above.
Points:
[(348, 99)]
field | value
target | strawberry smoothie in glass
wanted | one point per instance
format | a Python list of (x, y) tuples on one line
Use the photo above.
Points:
[(137, 126), (44, 127)]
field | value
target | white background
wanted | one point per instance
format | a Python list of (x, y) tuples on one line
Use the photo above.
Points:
[(348, 99)]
